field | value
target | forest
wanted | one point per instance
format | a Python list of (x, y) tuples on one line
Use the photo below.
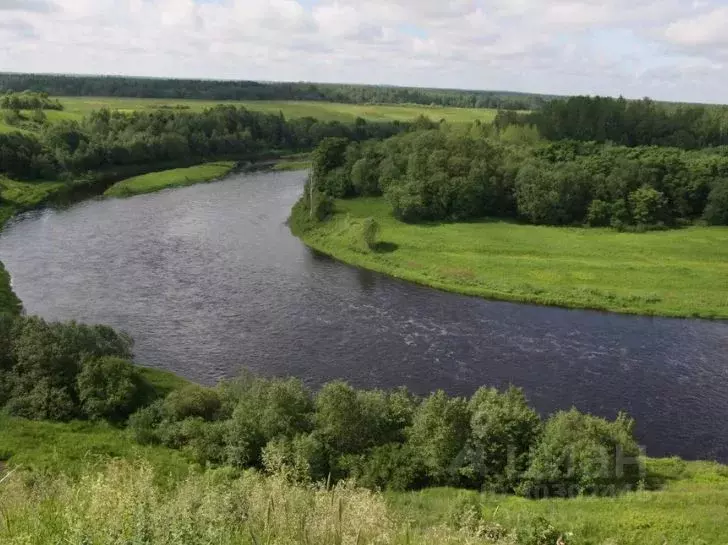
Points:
[(383, 439), (626, 122), (121, 86), (107, 139), (455, 174)]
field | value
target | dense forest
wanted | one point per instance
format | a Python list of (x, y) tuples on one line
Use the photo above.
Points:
[(107, 139), (394, 439), (122, 86), (626, 122), (451, 173)]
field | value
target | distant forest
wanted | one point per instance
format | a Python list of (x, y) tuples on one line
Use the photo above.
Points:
[(121, 86)]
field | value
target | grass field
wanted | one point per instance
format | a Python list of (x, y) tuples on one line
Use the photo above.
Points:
[(77, 107), (671, 273), (177, 177)]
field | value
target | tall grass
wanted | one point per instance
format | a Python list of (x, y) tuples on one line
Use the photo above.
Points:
[(123, 505)]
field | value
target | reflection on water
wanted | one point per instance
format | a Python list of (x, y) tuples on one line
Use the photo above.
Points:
[(208, 280)]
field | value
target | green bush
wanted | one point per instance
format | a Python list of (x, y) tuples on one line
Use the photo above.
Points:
[(649, 206), (583, 454), (503, 429), (599, 213), (110, 388), (192, 401), (439, 431), (392, 466), (144, 424)]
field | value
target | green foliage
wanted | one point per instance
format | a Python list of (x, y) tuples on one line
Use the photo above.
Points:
[(648, 205), (192, 401), (110, 388), (539, 532), (583, 454), (439, 432), (599, 213), (503, 429), (393, 466), (716, 210), (120, 86), (28, 100)]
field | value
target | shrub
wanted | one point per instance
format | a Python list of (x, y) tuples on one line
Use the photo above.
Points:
[(599, 213), (44, 401), (192, 401), (369, 232), (388, 467), (143, 424), (301, 459), (649, 206), (583, 454), (439, 431), (503, 429), (110, 388)]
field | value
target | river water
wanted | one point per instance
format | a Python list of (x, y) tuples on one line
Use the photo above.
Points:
[(208, 280)]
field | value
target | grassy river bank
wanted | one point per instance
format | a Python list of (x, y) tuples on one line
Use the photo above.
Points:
[(681, 273)]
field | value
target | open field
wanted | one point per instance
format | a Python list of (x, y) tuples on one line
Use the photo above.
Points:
[(178, 177), (671, 273), (77, 107)]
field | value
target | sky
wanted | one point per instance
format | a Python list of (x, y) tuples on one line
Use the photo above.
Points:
[(664, 49)]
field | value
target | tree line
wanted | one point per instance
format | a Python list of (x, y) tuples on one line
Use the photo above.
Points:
[(626, 122), (383, 439), (28, 100), (121, 86), (107, 139), (454, 174)]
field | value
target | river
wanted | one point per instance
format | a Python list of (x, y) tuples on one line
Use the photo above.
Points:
[(208, 280)]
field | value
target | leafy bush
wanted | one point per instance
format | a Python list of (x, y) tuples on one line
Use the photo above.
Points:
[(503, 429), (583, 454), (439, 432), (192, 401), (392, 466), (110, 388)]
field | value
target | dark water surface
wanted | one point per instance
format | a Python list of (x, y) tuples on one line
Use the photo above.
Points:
[(208, 279)]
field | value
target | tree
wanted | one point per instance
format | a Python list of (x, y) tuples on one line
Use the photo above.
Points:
[(583, 454), (648, 205), (503, 429), (439, 431), (716, 209), (110, 388)]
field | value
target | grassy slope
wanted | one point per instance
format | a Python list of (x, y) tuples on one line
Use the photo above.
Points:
[(672, 273), (177, 177), (691, 508)]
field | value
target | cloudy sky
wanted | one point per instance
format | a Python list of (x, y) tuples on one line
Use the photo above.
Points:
[(666, 49)]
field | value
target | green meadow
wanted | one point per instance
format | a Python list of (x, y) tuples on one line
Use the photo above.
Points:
[(681, 272), (177, 177), (77, 107)]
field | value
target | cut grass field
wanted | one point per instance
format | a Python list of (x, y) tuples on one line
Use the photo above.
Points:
[(176, 177), (681, 273)]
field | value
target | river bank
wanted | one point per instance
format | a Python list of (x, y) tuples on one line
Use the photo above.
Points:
[(678, 273), (63, 457)]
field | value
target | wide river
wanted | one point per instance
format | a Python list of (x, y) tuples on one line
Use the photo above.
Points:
[(208, 280)]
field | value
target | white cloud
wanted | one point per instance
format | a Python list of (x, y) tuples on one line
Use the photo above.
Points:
[(632, 47)]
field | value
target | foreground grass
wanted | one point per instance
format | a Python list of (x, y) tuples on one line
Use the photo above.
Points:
[(89, 483), (671, 273), (176, 177), (691, 508)]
